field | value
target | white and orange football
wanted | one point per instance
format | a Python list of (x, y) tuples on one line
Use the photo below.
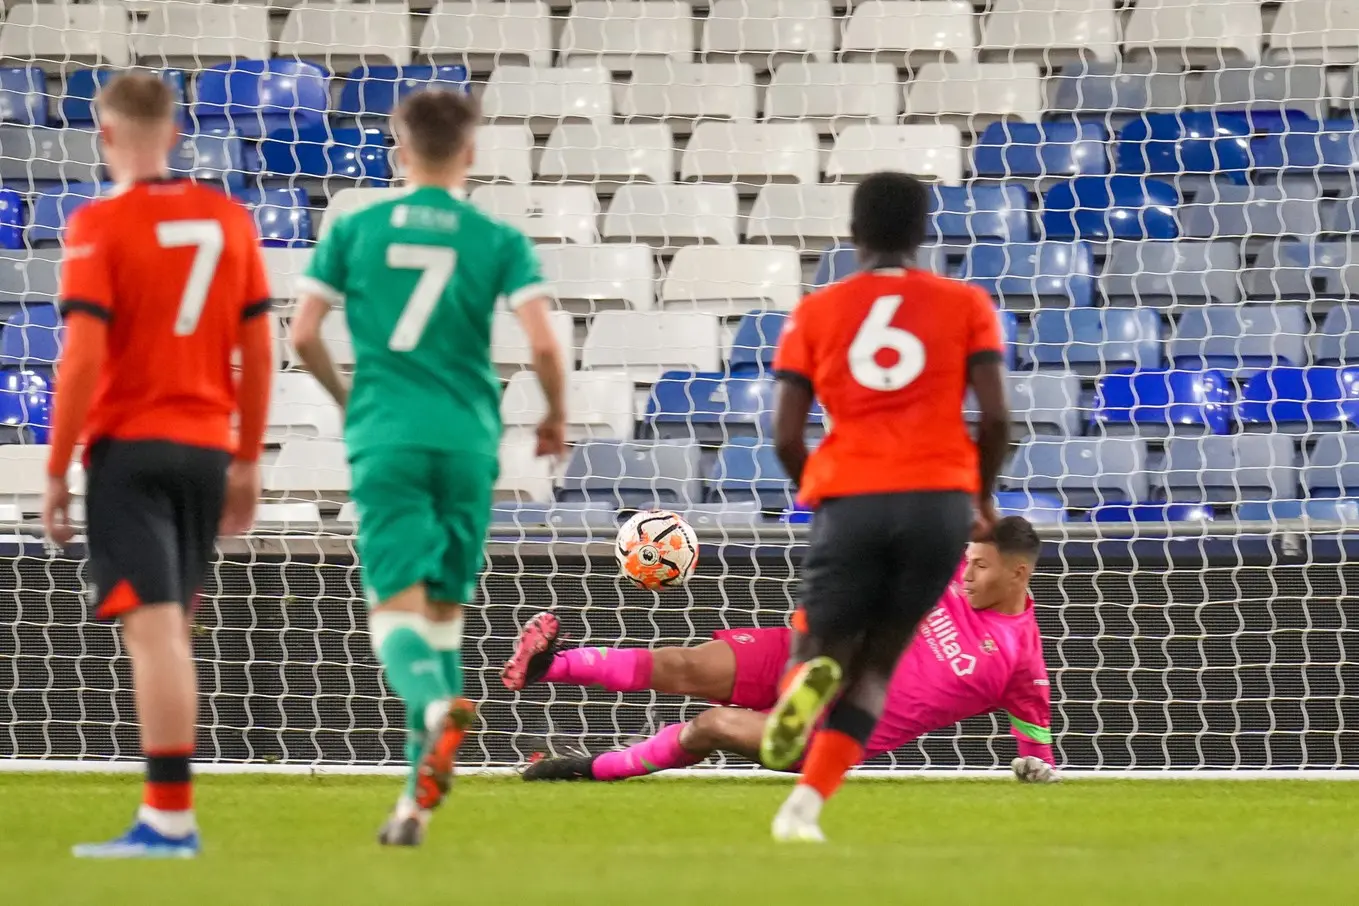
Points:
[(657, 550)]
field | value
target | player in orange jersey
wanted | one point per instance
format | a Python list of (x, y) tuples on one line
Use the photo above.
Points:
[(897, 484), (162, 284)]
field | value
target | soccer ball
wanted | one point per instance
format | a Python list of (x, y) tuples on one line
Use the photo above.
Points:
[(656, 550)]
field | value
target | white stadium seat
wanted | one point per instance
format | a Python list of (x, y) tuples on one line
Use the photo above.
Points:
[(907, 33), (54, 34), (1316, 31), (544, 213), (308, 468), (930, 152), (510, 348), (752, 154), (603, 153), (544, 98), (342, 35), (590, 278), (295, 516), (504, 154), (832, 95), (669, 216), (974, 95), (202, 34), (1051, 32), (335, 333), (807, 217), (1204, 32), (299, 407), (284, 266), (599, 405), (730, 280), (23, 476), (646, 344), (484, 35), (616, 34), (682, 94), (766, 33), (523, 476), (351, 200)]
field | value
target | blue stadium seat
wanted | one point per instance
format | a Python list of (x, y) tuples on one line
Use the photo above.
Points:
[(1301, 401), (254, 97), (12, 211), (1101, 208), (1114, 91), (1015, 356), (374, 91), (1338, 342), (1084, 472), (634, 474), (584, 516), (52, 210), (1298, 270), (1332, 467), (1320, 509), (747, 470), (1226, 211), (1046, 509), (32, 339), (1162, 403), (81, 86), (714, 408), (1240, 338), (1028, 275), (1097, 340), (757, 337), (1172, 274), (282, 216), (25, 408), (23, 96), (1007, 150), (319, 152), (1227, 469), (837, 262), (1151, 512), (1313, 149), (1187, 142), (210, 158), (978, 212)]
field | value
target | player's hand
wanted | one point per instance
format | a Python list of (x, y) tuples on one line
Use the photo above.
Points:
[(984, 520), (551, 437), (1032, 769), (56, 511), (242, 495)]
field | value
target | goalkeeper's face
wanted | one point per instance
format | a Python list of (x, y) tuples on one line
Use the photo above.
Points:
[(992, 578)]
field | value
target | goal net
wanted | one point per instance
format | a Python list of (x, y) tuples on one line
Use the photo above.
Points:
[(1160, 196)]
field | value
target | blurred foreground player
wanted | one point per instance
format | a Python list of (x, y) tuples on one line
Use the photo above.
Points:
[(162, 283), (419, 277), (896, 485), (978, 650)]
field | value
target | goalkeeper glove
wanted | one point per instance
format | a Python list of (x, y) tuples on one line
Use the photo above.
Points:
[(1032, 769)]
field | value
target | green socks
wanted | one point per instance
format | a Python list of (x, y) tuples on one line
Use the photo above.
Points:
[(446, 640), (413, 668)]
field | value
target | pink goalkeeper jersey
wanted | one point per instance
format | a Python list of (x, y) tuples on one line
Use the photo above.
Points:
[(964, 662)]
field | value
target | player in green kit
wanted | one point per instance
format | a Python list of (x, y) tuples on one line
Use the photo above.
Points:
[(419, 277)]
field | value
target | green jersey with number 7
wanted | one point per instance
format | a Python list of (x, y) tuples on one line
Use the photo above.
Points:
[(419, 276)]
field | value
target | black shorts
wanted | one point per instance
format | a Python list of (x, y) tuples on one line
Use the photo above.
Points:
[(881, 560), (151, 513)]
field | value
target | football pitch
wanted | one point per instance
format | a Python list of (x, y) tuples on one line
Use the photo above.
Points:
[(297, 841)]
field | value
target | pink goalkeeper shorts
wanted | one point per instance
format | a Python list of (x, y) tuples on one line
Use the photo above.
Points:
[(761, 657)]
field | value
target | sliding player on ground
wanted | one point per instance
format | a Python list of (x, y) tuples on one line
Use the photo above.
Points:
[(978, 650), (162, 283), (419, 277)]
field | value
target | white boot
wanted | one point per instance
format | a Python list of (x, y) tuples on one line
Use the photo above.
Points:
[(798, 820)]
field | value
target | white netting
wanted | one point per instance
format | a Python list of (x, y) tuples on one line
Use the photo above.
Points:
[(1165, 184)]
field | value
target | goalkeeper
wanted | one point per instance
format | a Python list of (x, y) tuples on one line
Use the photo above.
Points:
[(978, 650)]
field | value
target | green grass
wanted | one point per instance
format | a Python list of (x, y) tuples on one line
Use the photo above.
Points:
[(302, 841)]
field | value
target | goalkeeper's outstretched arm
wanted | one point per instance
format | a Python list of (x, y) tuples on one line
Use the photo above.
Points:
[(1027, 703)]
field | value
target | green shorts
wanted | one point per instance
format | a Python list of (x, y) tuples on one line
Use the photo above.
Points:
[(423, 516)]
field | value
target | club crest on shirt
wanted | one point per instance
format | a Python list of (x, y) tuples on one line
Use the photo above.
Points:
[(988, 646)]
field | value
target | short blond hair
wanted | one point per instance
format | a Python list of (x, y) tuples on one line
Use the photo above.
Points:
[(436, 124), (137, 96)]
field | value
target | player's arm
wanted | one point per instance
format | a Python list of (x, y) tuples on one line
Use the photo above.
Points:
[(1027, 704), (526, 294), (794, 397), (986, 375), (322, 288)]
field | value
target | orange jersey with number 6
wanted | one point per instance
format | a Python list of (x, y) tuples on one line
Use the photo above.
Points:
[(887, 352), (174, 269)]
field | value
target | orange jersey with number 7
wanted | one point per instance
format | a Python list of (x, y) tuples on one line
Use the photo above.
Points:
[(174, 271), (887, 352)]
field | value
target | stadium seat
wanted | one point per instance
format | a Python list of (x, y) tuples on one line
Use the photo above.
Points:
[(1270, 85), (971, 96), (645, 345), (1163, 403), (634, 474), (979, 212), (52, 210), (1338, 342), (1162, 274), (1044, 404), (713, 408), (37, 158), (746, 471), (369, 94), (1040, 509), (194, 35), (1340, 216), (757, 336), (906, 33), (930, 152), (599, 405), (1241, 338), (765, 33), (1316, 31), (56, 35), (587, 517), (25, 408), (218, 159), (1315, 510), (1326, 153), (1084, 472), (282, 216), (590, 278), (347, 200), (23, 476), (524, 476), (1111, 93), (510, 349), (751, 154), (1300, 270), (1151, 512), (544, 213), (722, 515), (837, 262), (1097, 340), (504, 154), (671, 216), (284, 266), (32, 338), (545, 98), (1023, 276), (614, 34), (81, 85), (606, 155), (251, 98), (317, 154), (482, 35), (335, 334), (831, 96), (1301, 401), (1202, 33), (1051, 33), (300, 408), (1187, 143), (29, 276), (1011, 150), (1252, 213), (1331, 469), (801, 216), (294, 517), (23, 96), (345, 34), (309, 469), (1102, 208), (729, 280), (13, 214), (1227, 469), (682, 95)]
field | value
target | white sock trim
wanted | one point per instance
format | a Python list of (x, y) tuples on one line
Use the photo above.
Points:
[(435, 712), (171, 824), (383, 623), (446, 636)]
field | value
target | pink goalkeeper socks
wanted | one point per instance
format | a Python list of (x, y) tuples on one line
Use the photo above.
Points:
[(616, 669), (659, 753)]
